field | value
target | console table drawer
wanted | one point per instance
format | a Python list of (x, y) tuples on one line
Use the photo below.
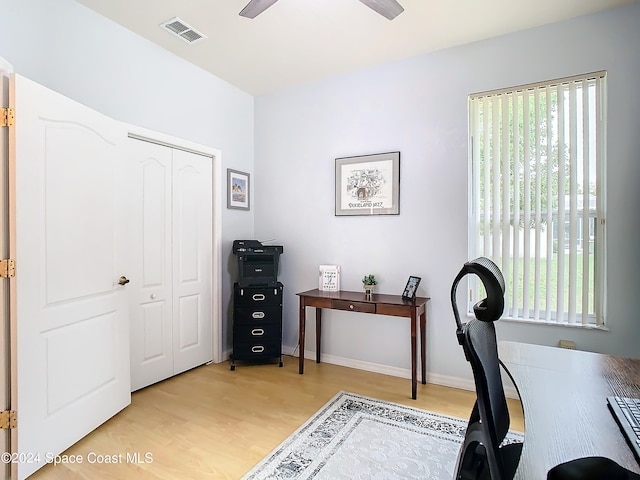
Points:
[(353, 306)]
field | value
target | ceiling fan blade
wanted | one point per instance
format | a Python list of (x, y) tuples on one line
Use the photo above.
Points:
[(387, 8), (256, 7)]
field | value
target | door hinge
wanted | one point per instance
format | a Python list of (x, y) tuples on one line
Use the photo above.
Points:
[(7, 117), (7, 268), (8, 420)]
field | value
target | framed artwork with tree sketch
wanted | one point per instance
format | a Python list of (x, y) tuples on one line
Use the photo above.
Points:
[(368, 184)]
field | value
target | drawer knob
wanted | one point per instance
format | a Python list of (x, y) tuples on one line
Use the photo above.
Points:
[(257, 314), (257, 332), (257, 349), (351, 307), (258, 297)]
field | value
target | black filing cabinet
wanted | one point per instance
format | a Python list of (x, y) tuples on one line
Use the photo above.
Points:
[(257, 323), (257, 303)]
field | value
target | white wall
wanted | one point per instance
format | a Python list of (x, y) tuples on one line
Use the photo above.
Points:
[(73, 50), (419, 107)]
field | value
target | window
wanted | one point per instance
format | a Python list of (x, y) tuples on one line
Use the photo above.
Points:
[(537, 196)]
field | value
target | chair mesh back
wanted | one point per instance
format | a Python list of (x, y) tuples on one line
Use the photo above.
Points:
[(478, 339), (483, 352)]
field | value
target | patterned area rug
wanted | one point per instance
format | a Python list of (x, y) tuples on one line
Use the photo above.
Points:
[(356, 437)]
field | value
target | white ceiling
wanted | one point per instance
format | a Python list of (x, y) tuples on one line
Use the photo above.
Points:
[(299, 41)]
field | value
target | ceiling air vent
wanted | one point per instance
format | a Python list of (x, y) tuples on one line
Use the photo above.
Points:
[(183, 30)]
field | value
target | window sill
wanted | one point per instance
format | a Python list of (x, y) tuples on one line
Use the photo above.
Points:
[(602, 328)]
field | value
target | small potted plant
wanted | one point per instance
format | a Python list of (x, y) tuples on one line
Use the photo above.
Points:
[(369, 282)]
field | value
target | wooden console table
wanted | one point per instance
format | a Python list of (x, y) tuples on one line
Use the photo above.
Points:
[(379, 304)]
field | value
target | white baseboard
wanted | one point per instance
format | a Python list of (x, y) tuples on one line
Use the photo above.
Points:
[(434, 378)]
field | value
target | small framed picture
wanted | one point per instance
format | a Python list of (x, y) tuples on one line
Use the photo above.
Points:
[(329, 278), (237, 189), (411, 288)]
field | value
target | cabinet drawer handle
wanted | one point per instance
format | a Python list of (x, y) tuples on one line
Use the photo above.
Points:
[(351, 307), (257, 314), (258, 297), (257, 332), (257, 349)]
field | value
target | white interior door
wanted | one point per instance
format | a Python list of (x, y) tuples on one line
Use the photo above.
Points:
[(72, 322), (151, 281), (193, 260), (171, 208), (5, 376)]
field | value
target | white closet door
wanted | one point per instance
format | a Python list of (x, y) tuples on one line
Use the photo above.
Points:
[(72, 317), (151, 259), (171, 228), (192, 254)]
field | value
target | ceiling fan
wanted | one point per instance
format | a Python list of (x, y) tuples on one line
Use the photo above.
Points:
[(387, 8)]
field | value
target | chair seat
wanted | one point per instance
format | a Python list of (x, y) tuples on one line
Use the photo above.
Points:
[(478, 469), (591, 468), (511, 458)]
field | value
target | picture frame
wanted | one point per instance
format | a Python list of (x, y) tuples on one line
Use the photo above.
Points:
[(238, 190), (368, 184), (329, 278), (411, 288)]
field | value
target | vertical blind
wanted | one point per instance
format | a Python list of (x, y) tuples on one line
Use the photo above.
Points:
[(537, 200)]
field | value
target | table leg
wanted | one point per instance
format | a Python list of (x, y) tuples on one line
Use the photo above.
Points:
[(301, 328), (423, 344), (318, 332), (414, 382)]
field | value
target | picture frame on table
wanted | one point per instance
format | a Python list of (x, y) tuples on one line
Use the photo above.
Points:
[(238, 190), (368, 184), (411, 288), (329, 278)]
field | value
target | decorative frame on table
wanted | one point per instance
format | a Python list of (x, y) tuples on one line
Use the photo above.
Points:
[(411, 288), (329, 278), (368, 184), (238, 190)]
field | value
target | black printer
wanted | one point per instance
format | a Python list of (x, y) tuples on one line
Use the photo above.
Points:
[(257, 263)]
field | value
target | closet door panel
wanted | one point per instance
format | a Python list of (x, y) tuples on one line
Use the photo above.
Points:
[(151, 283), (192, 247)]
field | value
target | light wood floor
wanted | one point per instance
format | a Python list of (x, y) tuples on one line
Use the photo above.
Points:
[(212, 423)]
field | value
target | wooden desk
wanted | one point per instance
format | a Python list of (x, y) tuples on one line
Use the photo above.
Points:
[(380, 304), (563, 394)]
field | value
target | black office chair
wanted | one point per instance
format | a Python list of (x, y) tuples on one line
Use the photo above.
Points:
[(482, 456), (591, 468)]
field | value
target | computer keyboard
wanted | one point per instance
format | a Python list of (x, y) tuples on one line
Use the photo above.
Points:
[(626, 411)]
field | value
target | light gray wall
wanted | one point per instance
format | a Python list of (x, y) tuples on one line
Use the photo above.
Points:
[(78, 53), (419, 107)]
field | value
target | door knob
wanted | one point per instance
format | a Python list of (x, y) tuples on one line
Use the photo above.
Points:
[(123, 280)]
